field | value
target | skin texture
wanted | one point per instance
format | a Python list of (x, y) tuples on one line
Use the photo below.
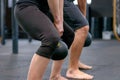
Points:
[(56, 8), (58, 22), (36, 71), (76, 50)]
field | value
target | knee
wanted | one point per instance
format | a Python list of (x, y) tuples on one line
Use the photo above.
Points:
[(53, 48), (47, 47), (53, 42), (83, 30), (60, 52), (86, 28)]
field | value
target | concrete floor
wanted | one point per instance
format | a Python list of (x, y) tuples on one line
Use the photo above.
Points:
[(103, 55)]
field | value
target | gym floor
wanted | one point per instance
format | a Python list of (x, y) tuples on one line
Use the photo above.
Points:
[(103, 55)]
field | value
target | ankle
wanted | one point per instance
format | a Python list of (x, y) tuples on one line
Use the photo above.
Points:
[(54, 77), (71, 71), (72, 68)]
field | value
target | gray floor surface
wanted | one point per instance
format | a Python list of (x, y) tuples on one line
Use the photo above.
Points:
[(103, 55)]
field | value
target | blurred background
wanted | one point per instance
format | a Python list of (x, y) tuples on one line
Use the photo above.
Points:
[(104, 53), (99, 15)]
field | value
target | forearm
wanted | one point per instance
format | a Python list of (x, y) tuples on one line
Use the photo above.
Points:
[(82, 6), (56, 9), (61, 9)]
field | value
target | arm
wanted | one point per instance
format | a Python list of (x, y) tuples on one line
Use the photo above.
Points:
[(56, 7), (82, 6), (61, 8)]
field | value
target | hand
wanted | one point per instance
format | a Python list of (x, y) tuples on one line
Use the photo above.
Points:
[(59, 27)]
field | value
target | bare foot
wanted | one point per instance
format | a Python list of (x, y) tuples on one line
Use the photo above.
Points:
[(77, 74), (84, 66), (62, 78), (58, 78)]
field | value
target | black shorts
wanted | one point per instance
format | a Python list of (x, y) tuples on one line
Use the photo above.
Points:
[(40, 27), (73, 16)]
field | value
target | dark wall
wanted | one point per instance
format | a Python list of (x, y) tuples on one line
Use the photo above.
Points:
[(100, 17), (101, 8)]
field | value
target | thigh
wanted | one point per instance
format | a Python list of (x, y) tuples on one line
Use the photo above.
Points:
[(73, 15), (35, 22)]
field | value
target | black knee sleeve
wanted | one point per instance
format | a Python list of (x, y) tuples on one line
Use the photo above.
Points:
[(88, 40), (47, 47), (60, 52)]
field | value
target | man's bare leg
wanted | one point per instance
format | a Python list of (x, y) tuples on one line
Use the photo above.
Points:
[(76, 49), (56, 71), (37, 67)]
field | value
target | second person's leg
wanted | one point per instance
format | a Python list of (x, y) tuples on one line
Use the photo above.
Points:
[(77, 21)]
